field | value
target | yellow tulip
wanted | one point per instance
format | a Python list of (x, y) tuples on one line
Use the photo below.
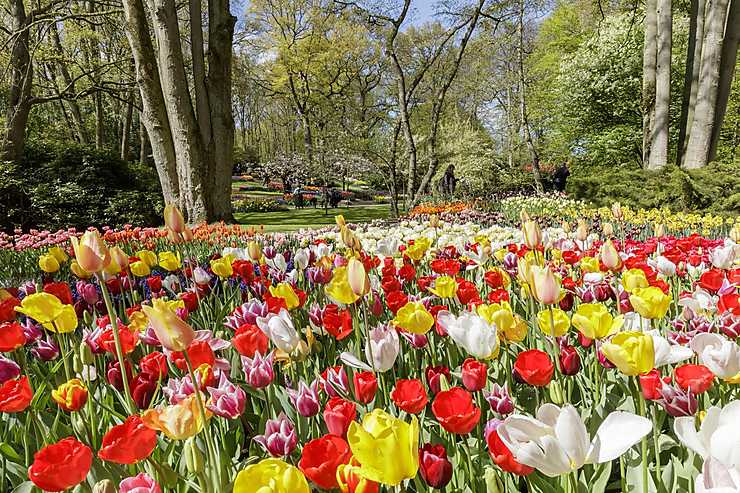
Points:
[(532, 234), (79, 271), (650, 302), (387, 448), (357, 277), (271, 476), (179, 421), (174, 333), (140, 268), (91, 252), (417, 251), (169, 261), (589, 264), (222, 267), (69, 394), (499, 314), (119, 256), (557, 326), (594, 321), (66, 321), (148, 257), (254, 250), (286, 292), (413, 317), (632, 352), (339, 289), (173, 218), (49, 311), (112, 268), (633, 279), (339, 219), (517, 332), (137, 321), (48, 263), (58, 254), (444, 287)]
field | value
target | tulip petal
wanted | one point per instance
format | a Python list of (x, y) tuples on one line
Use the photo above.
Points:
[(572, 434), (350, 359), (619, 431)]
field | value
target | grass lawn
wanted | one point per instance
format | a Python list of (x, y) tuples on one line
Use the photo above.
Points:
[(309, 217)]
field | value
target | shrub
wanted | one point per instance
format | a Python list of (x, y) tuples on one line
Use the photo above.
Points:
[(258, 205), (57, 187)]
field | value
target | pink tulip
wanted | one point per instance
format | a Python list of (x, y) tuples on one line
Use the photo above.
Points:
[(141, 483), (227, 400), (258, 371), (280, 437), (306, 399)]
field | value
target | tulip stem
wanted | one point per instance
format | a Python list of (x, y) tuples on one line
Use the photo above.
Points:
[(643, 444), (656, 445), (113, 316)]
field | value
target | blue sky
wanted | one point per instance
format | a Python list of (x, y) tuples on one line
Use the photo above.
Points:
[(423, 10)]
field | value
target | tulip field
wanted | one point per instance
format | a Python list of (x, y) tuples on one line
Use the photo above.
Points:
[(560, 350)]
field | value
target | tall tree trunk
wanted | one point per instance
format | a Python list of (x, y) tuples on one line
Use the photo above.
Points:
[(99, 121), (126, 133), (19, 92), (202, 108), (221, 152), (74, 108), (143, 142), (536, 174), (185, 133), (153, 114), (691, 75), (700, 136), (659, 144), (726, 72), (649, 63)]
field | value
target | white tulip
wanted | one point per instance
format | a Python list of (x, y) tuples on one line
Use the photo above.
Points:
[(201, 276), (300, 259), (382, 347), (717, 353), (667, 353), (665, 266), (472, 332), (557, 442), (279, 328), (724, 256), (717, 478)]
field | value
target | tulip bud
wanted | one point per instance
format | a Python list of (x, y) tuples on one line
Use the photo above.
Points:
[(566, 226), (659, 230), (193, 457), (608, 230), (493, 482), (610, 256), (357, 277), (173, 219), (91, 252), (254, 250), (617, 211), (187, 234), (339, 219), (532, 234), (434, 466), (556, 392), (499, 399), (104, 486), (545, 287), (86, 355), (570, 361), (581, 230), (434, 221), (523, 216)]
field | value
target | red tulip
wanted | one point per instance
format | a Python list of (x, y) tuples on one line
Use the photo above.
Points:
[(338, 414), (455, 411), (127, 337), (534, 367), (321, 457), (337, 322), (711, 280), (11, 337), (410, 396), (129, 442), (467, 292), (366, 385), (199, 352), (248, 339), (7, 308), (60, 466), (651, 383), (396, 300), (434, 466), (434, 375), (502, 456), (570, 361), (15, 395), (407, 273), (694, 378), (60, 290), (143, 387), (155, 365), (474, 374)]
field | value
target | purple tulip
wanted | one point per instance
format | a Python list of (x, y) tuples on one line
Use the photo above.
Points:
[(246, 314), (315, 315), (149, 337), (279, 438), (258, 371), (499, 399), (9, 369), (336, 382), (227, 400), (306, 399), (677, 402), (31, 331), (45, 350), (88, 292)]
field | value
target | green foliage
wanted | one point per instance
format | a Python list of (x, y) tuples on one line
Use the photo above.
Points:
[(709, 189), (258, 205), (75, 186)]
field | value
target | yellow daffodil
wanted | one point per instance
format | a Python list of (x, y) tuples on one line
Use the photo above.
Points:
[(169, 261), (632, 352), (650, 302), (555, 325), (594, 321), (387, 448), (413, 317), (48, 263), (179, 421), (222, 267), (286, 292), (633, 279), (271, 476), (339, 289), (444, 287)]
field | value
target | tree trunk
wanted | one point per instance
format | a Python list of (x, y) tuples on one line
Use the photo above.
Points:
[(99, 121), (691, 75), (221, 152), (700, 136), (202, 108), (74, 108), (19, 91), (659, 145), (649, 62), (726, 73), (126, 134), (153, 114), (536, 174), (142, 140)]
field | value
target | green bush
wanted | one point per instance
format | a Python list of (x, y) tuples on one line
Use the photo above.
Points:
[(258, 205), (57, 187), (714, 188)]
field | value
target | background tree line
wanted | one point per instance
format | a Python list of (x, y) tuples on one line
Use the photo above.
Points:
[(334, 89)]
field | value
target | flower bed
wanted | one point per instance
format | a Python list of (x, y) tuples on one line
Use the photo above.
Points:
[(423, 354)]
